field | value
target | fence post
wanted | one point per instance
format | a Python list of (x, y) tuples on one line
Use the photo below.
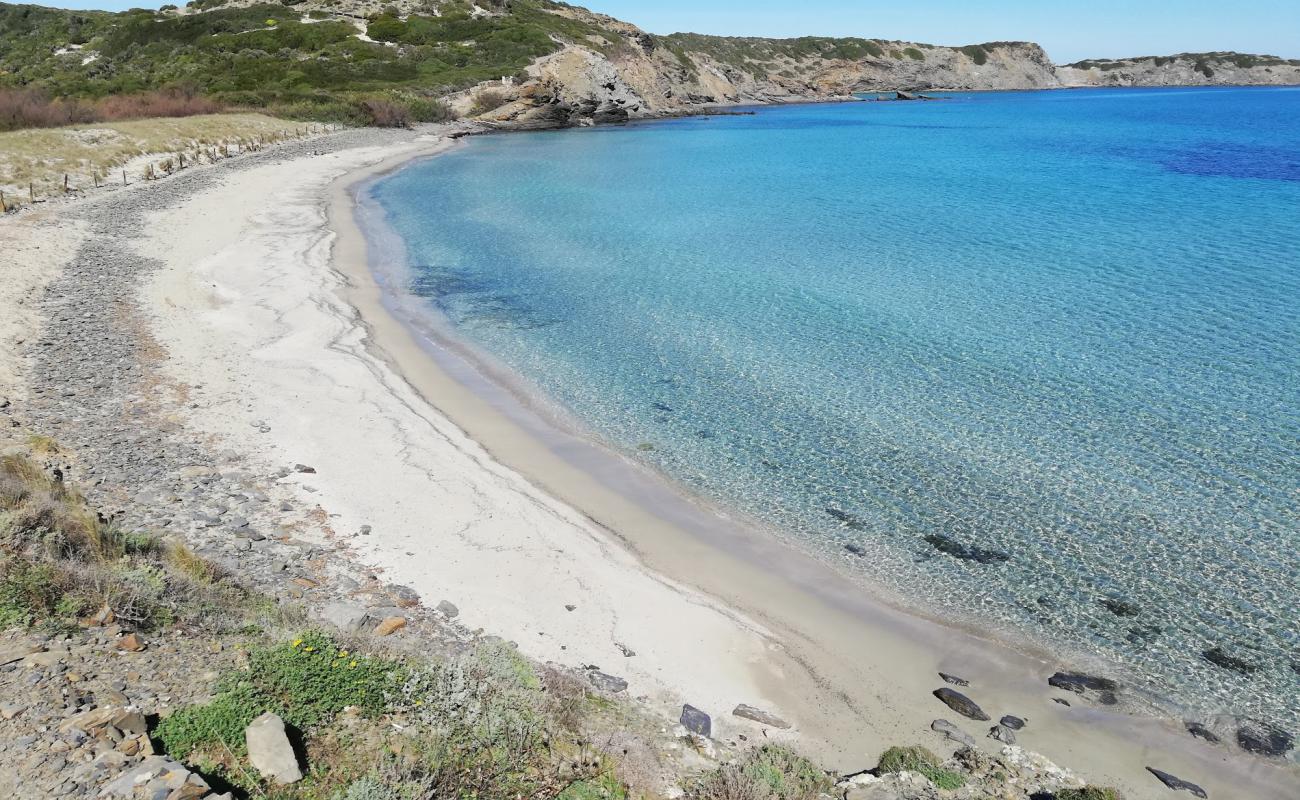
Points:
[(65, 183), (31, 190), (124, 177), (4, 209)]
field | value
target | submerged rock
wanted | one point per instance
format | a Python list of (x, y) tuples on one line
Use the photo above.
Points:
[(1120, 607), (1263, 739), (1100, 689), (961, 704), (696, 721), (965, 552), (1201, 732), (846, 519), (1222, 658), (1176, 783)]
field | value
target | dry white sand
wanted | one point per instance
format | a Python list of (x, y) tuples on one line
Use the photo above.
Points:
[(269, 315)]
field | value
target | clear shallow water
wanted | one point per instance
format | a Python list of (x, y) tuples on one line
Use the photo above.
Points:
[(1035, 357)]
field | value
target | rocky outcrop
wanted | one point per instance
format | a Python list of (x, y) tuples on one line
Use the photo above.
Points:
[(1185, 69)]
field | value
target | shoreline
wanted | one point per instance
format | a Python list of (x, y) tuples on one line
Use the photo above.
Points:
[(807, 602), (265, 357)]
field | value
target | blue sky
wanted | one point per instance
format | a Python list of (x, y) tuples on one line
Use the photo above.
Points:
[(1069, 30)]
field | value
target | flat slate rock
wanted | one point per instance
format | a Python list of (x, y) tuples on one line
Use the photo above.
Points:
[(1101, 689), (1014, 723), (961, 704), (760, 716), (1176, 783), (952, 732), (953, 679), (606, 682)]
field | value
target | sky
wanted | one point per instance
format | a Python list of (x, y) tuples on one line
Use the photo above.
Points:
[(1070, 30)]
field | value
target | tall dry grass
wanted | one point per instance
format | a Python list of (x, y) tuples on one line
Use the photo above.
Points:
[(34, 108)]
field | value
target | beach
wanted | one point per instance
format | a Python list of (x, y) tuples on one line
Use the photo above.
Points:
[(271, 321)]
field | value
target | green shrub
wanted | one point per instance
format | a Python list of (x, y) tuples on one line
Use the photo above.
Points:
[(1088, 793), (306, 682), (976, 53), (914, 54), (922, 761), (771, 772)]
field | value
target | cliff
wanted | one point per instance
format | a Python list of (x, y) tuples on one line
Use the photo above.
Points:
[(530, 63)]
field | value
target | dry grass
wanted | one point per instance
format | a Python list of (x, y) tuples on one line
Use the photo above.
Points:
[(99, 151)]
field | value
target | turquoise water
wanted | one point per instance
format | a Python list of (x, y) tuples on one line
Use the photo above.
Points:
[(1031, 358)]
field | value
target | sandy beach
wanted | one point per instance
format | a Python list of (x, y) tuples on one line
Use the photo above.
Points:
[(272, 320)]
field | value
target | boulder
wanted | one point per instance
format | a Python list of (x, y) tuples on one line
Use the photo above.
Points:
[(760, 716), (606, 682), (131, 643), (696, 721), (346, 616), (1100, 689), (1014, 723), (1263, 739), (156, 776), (270, 751), (1003, 734), (390, 625), (1176, 783), (961, 704), (448, 609), (952, 732)]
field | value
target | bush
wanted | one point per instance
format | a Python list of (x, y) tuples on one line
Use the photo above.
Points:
[(381, 113), (922, 761), (33, 108), (771, 772), (1088, 793), (306, 682), (488, 100)]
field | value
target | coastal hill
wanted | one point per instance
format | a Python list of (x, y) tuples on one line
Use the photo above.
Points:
[(520, 62)]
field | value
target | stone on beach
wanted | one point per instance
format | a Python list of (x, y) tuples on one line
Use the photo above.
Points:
[(1176, 783), (953, 679), (696, 721), (448, 609), (952, 732), (390, 625), (961, 704), (270, 751), (345, 616), (760, 716), (606, 682)]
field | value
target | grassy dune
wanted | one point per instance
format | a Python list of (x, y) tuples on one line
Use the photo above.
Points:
[(41, 157)]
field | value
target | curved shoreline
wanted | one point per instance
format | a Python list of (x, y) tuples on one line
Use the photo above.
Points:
[(828, 628)]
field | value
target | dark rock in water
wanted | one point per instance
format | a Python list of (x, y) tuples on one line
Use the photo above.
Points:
[(966, 552), (1014, 723), (902, 95), (961, 704), (1141, 634), (1120, 607), (1079, 683), (952, 732), (1201, 732), (696, 721), (1222, 658), (953, 679), (856, 549), (1264, 739), (667, 409), (1061, 701), (1176, 783), (846, 519), (1003, 734), (606, 682)]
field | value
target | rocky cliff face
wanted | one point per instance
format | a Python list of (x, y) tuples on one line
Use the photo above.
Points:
[(646, 75), (1185, 69)]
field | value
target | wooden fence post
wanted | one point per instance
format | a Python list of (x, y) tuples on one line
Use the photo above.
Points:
[(31, 190), (4, 209), (65, 183), (124, 177)]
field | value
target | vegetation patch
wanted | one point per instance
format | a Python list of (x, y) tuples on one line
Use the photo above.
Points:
[(922, 761), (770, 772), (1088, 793)]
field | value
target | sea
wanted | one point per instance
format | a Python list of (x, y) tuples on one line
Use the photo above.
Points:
[(1028, 359)]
